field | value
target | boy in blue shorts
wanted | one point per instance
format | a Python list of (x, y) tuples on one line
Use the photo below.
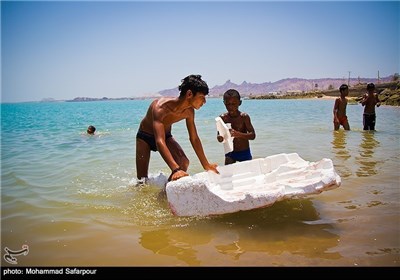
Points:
[(242, 129)]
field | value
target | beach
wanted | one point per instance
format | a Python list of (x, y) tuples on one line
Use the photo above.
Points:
[(73, 199)]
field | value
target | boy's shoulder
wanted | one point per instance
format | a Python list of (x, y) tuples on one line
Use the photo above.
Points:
[(244, 115)]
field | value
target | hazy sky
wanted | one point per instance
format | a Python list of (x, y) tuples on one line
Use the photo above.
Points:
[(63, 50)]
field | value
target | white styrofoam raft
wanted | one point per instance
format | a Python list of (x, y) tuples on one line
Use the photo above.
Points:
[(250, 184)]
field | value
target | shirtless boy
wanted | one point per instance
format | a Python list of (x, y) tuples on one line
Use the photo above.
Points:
[(242, 128), (370, 99), (154, 132), (339, 109)]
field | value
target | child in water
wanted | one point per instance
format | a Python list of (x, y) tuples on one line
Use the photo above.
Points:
[(91, 130), (370, 99), (339, 109), (242, 128)]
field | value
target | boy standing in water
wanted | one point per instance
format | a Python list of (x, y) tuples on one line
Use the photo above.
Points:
[(370, 99), (154, 132), (242, 129), (339, 109)]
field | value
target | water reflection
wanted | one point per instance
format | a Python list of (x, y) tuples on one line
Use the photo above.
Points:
[(342, 153), (366, 160), (175, 242), (292, 226)]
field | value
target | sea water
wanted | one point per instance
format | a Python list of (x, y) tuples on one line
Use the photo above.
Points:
[(72, 198)]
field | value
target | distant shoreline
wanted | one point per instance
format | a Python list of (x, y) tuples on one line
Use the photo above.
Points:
[(389, 94)]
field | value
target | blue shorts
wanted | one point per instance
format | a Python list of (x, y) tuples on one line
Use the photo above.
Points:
[(240, 156)]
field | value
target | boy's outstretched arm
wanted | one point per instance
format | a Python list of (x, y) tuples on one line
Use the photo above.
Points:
[(197, 146), (364, 99), (159, 135)]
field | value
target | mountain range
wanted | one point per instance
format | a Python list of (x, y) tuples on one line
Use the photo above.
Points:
[(283, 86)]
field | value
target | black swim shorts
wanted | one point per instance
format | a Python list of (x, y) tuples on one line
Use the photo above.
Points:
[(149, 139)]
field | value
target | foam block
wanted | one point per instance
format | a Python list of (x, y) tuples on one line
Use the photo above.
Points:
[(250, 184), (223, 129)]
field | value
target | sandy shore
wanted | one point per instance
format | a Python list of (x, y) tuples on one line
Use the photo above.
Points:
[(325, 97)]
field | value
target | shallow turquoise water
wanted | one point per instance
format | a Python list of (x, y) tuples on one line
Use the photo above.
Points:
[(72, 199)]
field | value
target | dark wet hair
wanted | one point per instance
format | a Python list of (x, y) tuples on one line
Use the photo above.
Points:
[(193, 83), (370, 86), (231, 93), (91, 129), (343, 87)]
